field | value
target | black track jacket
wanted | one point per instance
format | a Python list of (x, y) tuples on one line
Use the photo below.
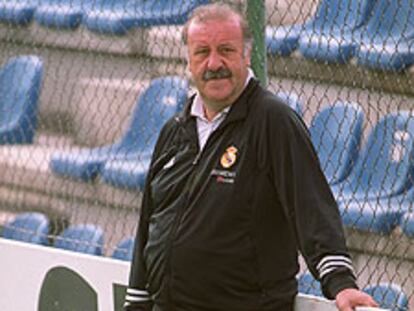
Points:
[(220, 229)]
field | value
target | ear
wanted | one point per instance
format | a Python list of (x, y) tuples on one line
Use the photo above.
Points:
[(187, 66), (248, 61), (248, 54)]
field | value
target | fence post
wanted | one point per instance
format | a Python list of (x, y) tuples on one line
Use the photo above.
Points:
[(257, 22)]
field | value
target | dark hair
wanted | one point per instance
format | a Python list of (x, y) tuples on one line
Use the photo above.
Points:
[(218, 11)]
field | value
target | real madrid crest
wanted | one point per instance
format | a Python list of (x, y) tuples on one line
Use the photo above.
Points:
[(229, 157)]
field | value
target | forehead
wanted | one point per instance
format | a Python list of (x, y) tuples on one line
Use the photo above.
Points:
[(215, 31)]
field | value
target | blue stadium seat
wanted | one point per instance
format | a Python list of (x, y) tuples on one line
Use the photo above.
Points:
[(20, 83), (387, 41), (336, 133), (61, 14), (307, 284), (389, 296), (17, 12), (87, 239), (292, 100), (116, 17), (124, 249), (128, 173), (161, 100), (384, 167), (28, 227), (283, 40), (379, 216), (332, 35), (113, 17)]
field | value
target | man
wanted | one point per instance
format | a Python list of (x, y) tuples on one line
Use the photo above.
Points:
[(234, 191)]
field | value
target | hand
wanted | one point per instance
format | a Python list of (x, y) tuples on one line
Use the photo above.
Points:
[(348, 299)]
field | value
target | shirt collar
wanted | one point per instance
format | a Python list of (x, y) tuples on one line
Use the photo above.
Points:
[(197, 108)]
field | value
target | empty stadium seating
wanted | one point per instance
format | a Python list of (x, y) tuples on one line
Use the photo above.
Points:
[(127, 173), (20, 83), (387, 41), (17, 12), (327, 36), (336, 134), (87, 238), (378, 33), (283, 40), (384, 167), (380, 215), (113, 17), (389, 296), (28, 227), (330, 36), (163, 98), (60, 14), (371, 198), (124, 249), (118, 17)]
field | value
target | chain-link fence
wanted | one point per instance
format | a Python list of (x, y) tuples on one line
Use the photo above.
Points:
[(79, 117)]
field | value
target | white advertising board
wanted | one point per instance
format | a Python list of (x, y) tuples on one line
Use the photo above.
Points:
[(47, 279)]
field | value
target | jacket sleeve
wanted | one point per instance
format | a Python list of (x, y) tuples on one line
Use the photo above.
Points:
[(308, 202), (137, 297)]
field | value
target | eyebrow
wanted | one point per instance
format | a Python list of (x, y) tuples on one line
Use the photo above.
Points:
[(206, 45)]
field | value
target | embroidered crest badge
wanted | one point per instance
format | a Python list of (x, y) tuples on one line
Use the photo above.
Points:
[(229, 157)]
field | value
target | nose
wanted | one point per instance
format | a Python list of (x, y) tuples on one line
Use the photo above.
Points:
[(215, 61)]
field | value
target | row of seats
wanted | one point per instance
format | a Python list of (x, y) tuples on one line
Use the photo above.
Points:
[(372, 184), (378, 33), (389, 296), (33, 227), (125, 163), (115, 17), (20, 85)]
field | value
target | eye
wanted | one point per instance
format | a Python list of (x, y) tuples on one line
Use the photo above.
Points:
[(201, 52), (227, 50)]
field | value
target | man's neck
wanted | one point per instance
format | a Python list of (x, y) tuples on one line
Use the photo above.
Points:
[(212, 109)]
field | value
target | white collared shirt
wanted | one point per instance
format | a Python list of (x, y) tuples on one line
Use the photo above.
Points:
[(204, 126)]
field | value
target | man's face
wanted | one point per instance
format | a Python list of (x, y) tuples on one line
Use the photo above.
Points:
[(217, 60)]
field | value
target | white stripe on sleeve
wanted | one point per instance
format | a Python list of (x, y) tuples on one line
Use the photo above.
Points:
[(138, 292), (136, 298), (330, 263)]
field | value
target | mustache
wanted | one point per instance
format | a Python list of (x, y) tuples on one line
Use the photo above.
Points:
[(216, 74)]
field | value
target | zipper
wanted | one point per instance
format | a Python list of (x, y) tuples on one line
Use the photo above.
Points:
[(177, 221), (182, 208), (197, 158), (175, 225)]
